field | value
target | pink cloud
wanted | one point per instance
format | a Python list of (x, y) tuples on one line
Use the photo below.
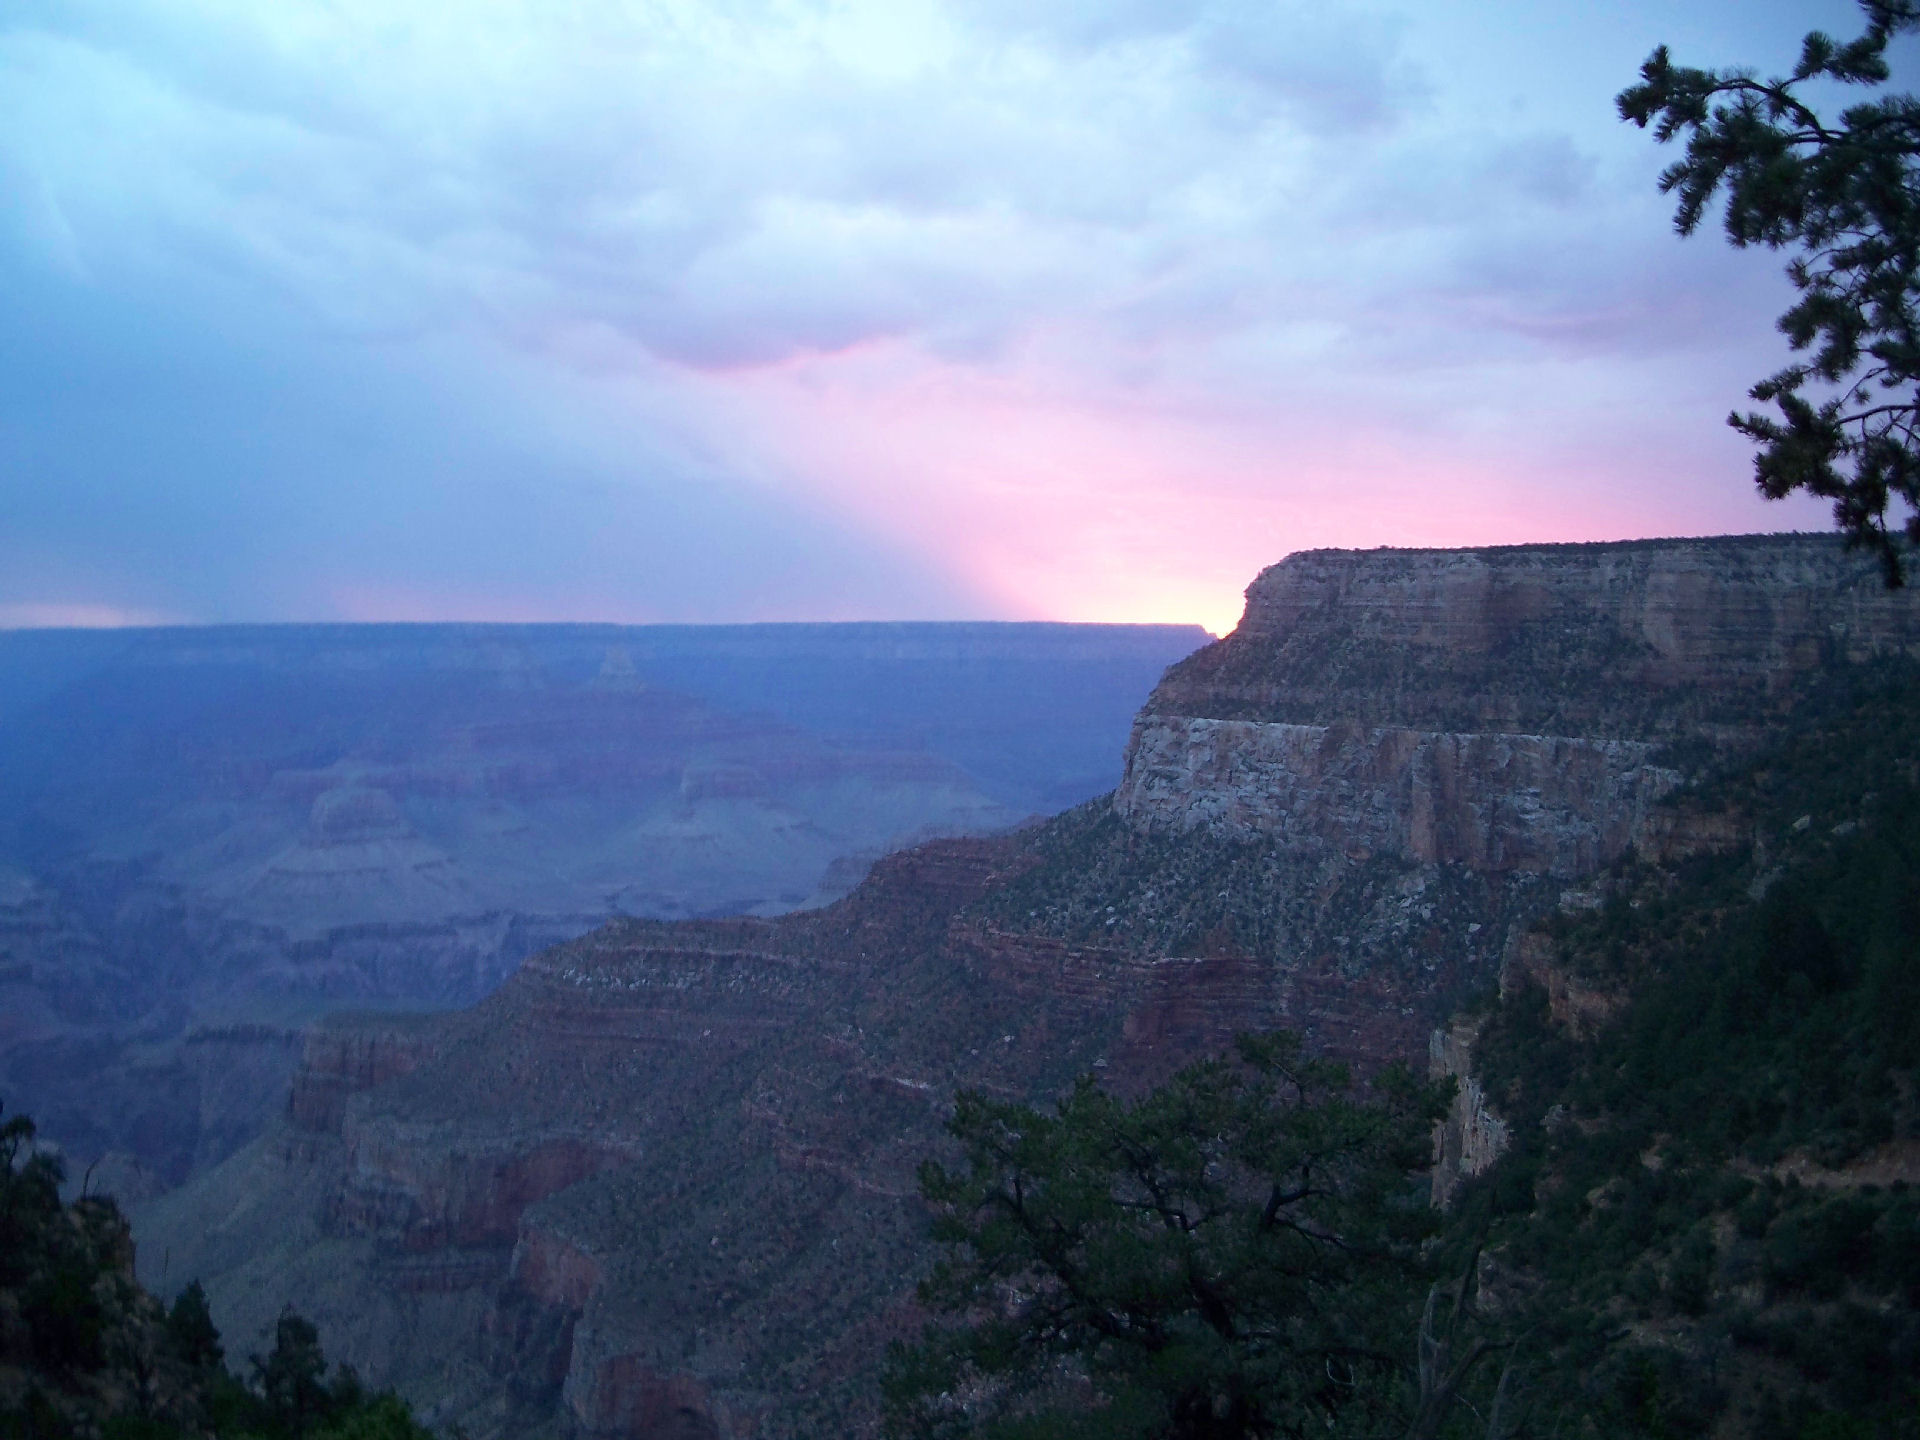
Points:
[(1065, 497)]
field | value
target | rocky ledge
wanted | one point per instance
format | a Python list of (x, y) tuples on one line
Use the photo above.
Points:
[(1513, 708)]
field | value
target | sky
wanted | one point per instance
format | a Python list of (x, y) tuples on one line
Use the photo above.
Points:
[(727, 310)]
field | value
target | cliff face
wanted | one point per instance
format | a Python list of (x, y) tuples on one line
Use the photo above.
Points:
[(347, 1054), (1517, 708), (1471, 1137), (1556, 803), (662, 1181)]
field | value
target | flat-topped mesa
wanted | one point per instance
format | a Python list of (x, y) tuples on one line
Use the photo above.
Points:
[(1500, 708)]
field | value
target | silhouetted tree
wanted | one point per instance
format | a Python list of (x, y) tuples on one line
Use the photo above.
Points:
[(29, 1197), (85, 1352), (1844, 197), (291, 1378), (190, 1326)]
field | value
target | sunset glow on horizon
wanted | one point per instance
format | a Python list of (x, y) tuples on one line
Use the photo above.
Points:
[(871, 309)]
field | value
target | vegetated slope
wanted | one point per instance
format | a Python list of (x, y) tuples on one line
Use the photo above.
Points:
[(1098, 880), (1708, 1221), (672, 1166)]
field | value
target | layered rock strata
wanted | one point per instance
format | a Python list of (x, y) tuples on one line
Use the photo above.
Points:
[(1513, 708), (1555, 803)]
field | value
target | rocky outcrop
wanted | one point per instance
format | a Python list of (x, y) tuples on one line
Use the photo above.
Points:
[(1577, 1004), (1505, 709), (1473, 1134), (435, 1191), (1560, 804), (626, 1395), (662, 1181), (345, 1054), (554, 1270), (1471, 1137)]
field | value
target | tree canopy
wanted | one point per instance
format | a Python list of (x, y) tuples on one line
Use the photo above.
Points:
[(1235, 1254), (1844, 197), (86, 1352)]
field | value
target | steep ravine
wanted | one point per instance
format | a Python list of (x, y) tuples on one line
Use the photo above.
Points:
[(661, 1182)]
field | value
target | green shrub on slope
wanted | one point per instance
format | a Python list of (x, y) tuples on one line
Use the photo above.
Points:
[(1706, 1220)]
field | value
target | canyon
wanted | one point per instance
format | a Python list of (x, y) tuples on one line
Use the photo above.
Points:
[(210, 837), (661, 1181)]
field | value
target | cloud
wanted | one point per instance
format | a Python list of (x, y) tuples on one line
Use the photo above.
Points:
[(583, 291), (216, 455), (723, 184)]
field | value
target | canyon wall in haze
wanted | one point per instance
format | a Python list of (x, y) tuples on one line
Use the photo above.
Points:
[(210, 836)]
